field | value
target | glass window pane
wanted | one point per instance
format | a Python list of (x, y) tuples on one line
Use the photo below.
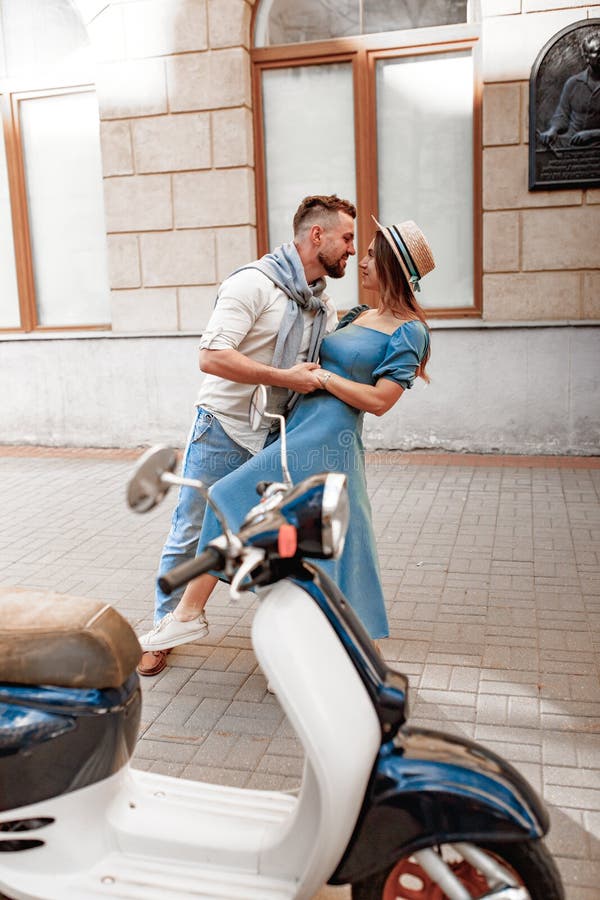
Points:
[(297, 21), (314, 157), (392, 15), (291, 22), (9, 297), (63, 176), (425, 158)]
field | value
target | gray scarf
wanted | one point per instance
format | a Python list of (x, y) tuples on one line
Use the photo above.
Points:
[(284, 268)]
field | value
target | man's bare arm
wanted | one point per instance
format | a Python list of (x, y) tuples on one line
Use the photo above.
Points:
[(234, 366)]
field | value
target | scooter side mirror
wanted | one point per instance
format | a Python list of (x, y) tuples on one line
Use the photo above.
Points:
[(258, 407), (146, 487), (153, 476)]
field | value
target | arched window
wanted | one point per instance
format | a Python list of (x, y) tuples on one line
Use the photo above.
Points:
[(290, 21), (53, 271), (375, 100)]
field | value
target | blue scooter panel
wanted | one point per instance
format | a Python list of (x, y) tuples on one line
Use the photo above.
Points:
[(54, 740), (430, 788)]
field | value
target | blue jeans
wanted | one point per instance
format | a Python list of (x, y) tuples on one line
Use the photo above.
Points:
[(209, 455)]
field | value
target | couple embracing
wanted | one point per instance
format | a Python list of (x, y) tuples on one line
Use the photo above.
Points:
[(273, 324)]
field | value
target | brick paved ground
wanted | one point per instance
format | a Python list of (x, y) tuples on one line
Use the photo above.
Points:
[(492, 577)]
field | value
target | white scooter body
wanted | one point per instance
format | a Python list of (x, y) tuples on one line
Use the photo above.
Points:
[(142, 835)]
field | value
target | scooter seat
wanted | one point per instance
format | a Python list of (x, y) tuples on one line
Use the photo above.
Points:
[(56, 639)]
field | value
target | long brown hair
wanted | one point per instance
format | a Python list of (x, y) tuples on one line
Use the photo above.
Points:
[(395, 292)]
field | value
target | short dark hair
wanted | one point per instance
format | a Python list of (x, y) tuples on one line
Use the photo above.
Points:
[(318, 205)]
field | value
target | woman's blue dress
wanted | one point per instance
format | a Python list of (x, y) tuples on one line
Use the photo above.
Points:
[(324, 435)]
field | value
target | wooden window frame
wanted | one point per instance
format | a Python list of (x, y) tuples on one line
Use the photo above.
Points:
[(18, 210), (10, 98), (363, 52)]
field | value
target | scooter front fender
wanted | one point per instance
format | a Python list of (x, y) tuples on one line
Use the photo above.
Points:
[(429, 788)]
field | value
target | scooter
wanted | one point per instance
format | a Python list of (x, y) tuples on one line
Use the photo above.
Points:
[(393, 810)]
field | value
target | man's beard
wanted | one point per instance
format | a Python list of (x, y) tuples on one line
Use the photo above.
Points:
[(334, 268)]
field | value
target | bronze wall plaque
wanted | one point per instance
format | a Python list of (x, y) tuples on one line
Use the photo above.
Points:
[(564, 110)]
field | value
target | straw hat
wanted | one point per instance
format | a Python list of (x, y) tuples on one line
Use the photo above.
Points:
[(410, 248)]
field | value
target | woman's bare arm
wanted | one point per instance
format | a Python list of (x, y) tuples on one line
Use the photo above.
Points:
[(372, 398)]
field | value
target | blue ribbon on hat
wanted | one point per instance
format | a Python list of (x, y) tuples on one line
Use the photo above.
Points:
[(408, 260)]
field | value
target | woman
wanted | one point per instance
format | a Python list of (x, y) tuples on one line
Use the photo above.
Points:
[(366, 365)]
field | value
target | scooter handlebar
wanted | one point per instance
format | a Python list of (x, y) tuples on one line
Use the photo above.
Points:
[(211, 558)]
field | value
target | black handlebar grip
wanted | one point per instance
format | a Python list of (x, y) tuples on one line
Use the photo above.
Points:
[(211, 558)]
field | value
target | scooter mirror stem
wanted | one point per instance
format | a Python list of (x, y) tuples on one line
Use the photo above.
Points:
[(232, 539), (284, 466), (256, 415)]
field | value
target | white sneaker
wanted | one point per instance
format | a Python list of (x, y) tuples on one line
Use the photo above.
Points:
[(170, 632)]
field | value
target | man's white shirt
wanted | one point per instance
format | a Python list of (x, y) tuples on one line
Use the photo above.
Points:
[(247, 318)]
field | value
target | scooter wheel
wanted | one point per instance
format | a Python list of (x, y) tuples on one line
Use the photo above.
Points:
[(528, 863)]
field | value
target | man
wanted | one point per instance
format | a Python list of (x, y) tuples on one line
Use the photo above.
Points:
[(576, 121), (266, 328)]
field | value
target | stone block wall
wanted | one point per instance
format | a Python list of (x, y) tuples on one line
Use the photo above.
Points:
[(541, 256), (173, 81)]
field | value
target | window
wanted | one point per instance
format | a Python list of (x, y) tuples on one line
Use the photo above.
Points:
[(374, 100), (53, 270), (290, 21)]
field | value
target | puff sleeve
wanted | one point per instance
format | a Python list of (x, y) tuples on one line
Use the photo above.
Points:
[(406, 348)]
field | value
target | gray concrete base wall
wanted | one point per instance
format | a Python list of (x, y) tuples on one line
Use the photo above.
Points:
[(514, 389)]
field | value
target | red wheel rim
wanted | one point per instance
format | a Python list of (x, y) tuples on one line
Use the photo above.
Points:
[(408, 881)]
